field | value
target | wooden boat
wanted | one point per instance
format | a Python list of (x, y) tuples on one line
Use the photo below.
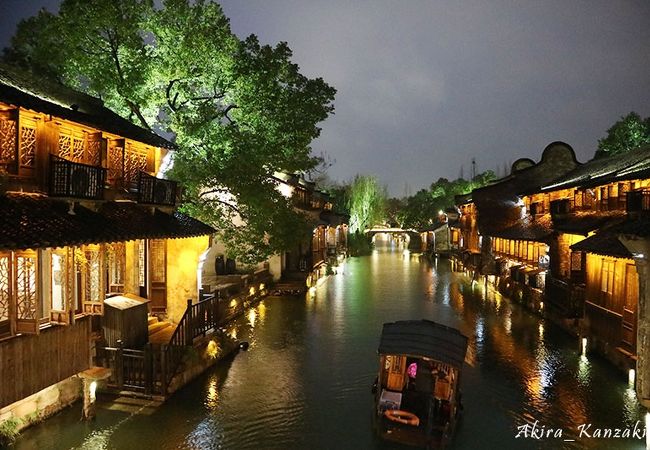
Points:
[(417, 395)]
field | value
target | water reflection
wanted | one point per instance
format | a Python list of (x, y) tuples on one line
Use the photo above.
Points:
[(305, 380)]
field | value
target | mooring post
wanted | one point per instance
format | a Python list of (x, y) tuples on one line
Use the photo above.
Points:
[(90, 379)]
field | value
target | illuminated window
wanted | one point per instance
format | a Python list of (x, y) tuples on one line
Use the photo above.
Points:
[(18, 292), (116, 266), (88, 262), (142, 263), (58, 274)]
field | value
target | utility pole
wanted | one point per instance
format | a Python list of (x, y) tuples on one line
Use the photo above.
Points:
[(473, 168)]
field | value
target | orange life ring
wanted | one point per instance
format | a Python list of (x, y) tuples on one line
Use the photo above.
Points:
[(405, 417)]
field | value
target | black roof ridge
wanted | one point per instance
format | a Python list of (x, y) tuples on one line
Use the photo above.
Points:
[(22, 88)]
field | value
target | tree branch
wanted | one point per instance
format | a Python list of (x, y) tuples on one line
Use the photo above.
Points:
[(135, 109), (213, 191), (228, 204)]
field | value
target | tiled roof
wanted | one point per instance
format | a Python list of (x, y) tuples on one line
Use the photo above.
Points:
[(333, 219), (557, 158), (634, 226), (35, 221), (625, 166), (603, 243), (526, 230), (22, 89), (583, 222)]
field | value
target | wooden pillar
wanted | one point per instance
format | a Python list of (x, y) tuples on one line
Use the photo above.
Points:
[(189, 323)]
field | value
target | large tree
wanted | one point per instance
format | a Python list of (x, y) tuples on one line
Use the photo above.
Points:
[(422, 208), (238, 110), (629, 132)]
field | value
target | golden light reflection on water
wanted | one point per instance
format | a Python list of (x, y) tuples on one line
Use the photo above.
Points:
[(212, 394), (527, 355), (252, 315)]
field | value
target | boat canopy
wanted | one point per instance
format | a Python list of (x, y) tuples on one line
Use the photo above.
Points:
[(424, 338)]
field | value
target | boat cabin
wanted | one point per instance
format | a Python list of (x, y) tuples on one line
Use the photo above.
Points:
[(417, 397)]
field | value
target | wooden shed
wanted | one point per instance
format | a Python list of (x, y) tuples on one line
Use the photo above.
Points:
[(125, 319)]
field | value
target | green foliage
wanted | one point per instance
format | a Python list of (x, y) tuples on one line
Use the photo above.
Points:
[(9, 431), (628, 133), (239, 110), (394, 208), (366, 202), (422, 208), (359, 244)]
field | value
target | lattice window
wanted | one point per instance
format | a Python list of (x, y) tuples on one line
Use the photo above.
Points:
[(92, 291), (157, 260), (94, 152), (26, 294), (116, 266), (65, 146), (134, 162), (5, 286), (7, 141), (115, 168), (78, 150), (27, 146), (142, 263)]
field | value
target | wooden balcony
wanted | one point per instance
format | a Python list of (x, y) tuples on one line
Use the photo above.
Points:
[(156, 191), (75, 180)]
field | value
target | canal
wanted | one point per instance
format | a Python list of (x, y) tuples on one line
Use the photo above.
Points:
[(305, 380)]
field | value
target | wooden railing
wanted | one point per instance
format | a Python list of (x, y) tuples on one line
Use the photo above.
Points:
[(152, 369), (156, 191), (75, 180), (130, 369), (565, 296), (563, 207)]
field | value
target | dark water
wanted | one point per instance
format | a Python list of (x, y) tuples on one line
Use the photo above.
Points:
[(305, 381)]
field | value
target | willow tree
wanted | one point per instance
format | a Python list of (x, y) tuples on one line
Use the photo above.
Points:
[(239, 111), (366, 203)]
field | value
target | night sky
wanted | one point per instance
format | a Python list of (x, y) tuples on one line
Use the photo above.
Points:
[(424, 86)]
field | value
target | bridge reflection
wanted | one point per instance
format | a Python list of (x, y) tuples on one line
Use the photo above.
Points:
[(394, 237)]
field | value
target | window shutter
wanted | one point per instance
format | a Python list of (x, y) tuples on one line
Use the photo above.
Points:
[(25, 288)]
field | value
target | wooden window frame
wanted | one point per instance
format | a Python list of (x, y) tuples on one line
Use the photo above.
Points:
[(29, 322)]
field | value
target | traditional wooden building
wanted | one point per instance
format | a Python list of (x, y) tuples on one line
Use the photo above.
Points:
[(441, 237), (594, 276), (329, 231), (504, 234), (83, 216)]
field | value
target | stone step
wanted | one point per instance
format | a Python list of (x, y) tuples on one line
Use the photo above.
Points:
[(152, 320), (158, 326), (163, 336), (132, 405)]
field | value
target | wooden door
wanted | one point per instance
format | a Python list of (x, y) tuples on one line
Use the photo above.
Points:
[(631, 300), (157, 259), (396, 373)]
